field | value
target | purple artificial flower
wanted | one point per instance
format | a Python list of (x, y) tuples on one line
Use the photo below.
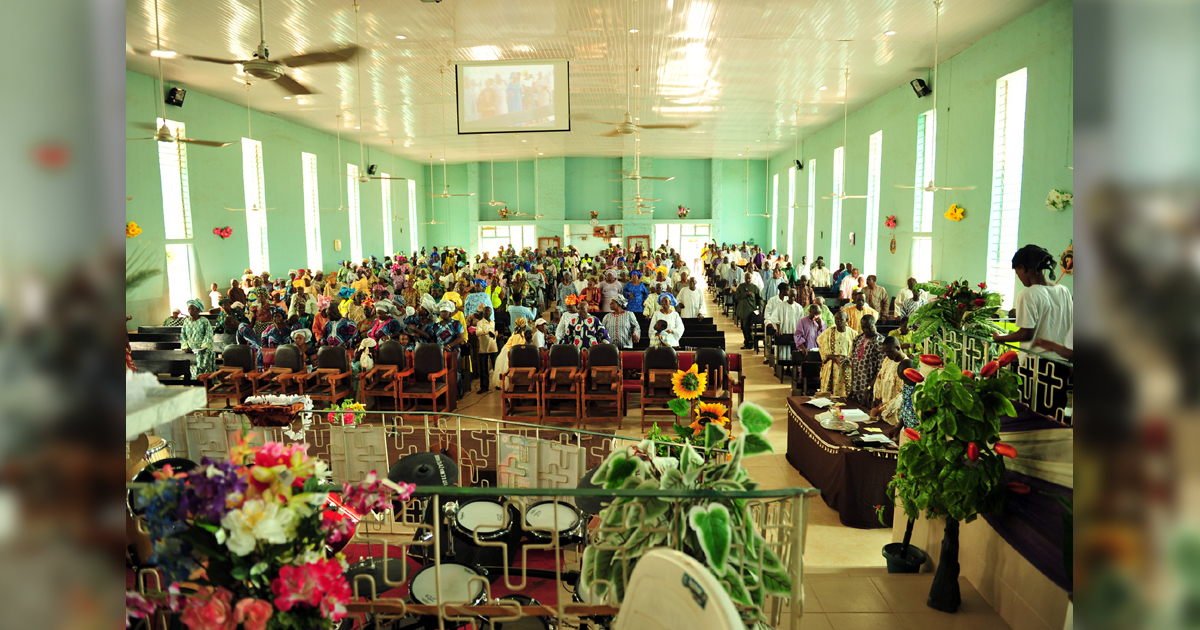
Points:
[(208, 489)]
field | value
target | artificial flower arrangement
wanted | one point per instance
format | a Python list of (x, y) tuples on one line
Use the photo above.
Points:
[(950, 468), (224, 232), (955, 213), (956, 306), (504, 213), (132, 229), (720, 533), (683, 211), (890, 222), (595, 214), (347, 416), (1058, 200), (250, 537)]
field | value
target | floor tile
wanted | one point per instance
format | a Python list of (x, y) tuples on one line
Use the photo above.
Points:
[(814, 621), (864, 621), (934, 620), (848, 594)]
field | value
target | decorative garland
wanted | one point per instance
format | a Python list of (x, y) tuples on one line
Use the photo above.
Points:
[(1057, 200)]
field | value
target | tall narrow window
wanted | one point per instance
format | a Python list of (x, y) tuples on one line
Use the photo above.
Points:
[(775, 212), (835, 232), (412, 216), (1007, 156), (312, 213), (926, 160), (922, 258), (387, 215), (355, 217), (172, 168), (180, 275), (874, 159), (812, 212), (791, 230), (256, 204)]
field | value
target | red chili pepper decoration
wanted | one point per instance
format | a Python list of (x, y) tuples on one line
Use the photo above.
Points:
[(911, 434), (973, 451), (1016, 487), (1006, 450), (913, 375), (931, 360), (1007, 358), (990, 369), (968, 374)]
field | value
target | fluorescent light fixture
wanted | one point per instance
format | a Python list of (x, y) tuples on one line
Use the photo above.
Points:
[(633, 30), (163, 54), (822, 88), (357, 127), (889, 32), (287, 98), (401, 37), (540, 153)]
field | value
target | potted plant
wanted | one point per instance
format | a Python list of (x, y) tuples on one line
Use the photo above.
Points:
[(956, 306), (720, 534), (951, 466)]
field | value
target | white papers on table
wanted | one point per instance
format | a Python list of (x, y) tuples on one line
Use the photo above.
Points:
[(877, 437), (819, 402), (857, 415)]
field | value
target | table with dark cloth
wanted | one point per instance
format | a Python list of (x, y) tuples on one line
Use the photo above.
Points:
[(852, 480)]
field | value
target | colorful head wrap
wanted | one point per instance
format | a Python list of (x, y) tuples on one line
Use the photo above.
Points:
[(445, 305), (409, 311), (323, 302), (521, 322), (277, 310), (620, 300), (634, 273), (345, 293), (387, 307), (428, 303), (197, 303), (670, 298), (302, 332), (453, 297), (572, 299)]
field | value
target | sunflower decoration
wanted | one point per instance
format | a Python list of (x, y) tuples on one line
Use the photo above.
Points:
[(709, 413), (955, 213), (690, 384)]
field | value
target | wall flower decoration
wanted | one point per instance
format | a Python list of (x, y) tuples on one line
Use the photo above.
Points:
[(223, 232), (955, 213), (683, 211), (1057, 200), (504, 213), (891, 221), (595, 214), (132, 229)]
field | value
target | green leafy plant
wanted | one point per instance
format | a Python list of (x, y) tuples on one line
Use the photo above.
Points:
[(719, 533), (956, 306)]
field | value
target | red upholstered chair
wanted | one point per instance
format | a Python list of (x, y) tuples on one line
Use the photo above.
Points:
[(659, 365), (685, 360), (521, 385), (738, 386), (630, 362), (380, 382), (562, 383), (429, 378), (712, 361), (602, 391)]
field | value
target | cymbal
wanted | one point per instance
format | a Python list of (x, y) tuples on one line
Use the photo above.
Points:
[(424, 469), (591, 505)]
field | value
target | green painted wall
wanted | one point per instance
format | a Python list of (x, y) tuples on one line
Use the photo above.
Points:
[(692, 187), (744, 196), (215, 181), (591, 189), (1040, 41)]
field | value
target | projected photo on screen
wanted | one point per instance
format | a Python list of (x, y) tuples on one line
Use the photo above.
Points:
[(513, 96)]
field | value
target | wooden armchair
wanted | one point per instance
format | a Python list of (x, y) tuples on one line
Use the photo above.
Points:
[(281, 378), (381, 381), (562, 382), (328, 382), (521, 385), (602, 391), (714, 362), (630, 362), (430, 381), (659, 365), (231, 381), (738, 386)]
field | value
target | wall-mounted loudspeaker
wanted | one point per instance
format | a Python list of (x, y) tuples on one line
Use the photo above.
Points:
[(799, 165), (920, 87), (372, 169), (175, 96)]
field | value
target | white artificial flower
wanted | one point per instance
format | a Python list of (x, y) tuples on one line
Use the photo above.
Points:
[(257, 520)]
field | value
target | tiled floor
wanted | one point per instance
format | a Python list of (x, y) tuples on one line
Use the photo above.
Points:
[(860, 599)]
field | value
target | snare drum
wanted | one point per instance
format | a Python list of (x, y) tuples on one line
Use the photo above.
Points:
[(156, 449), (541, 523), (456, 585), (526, 622), (485, 519)]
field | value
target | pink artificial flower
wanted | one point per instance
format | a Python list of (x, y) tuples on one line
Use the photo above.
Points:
[(253, 614), (368, 495), (137, 607), (337, 526), (317, 584), (209, 613)]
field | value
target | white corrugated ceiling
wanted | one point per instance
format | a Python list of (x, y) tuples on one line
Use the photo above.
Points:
[(738, 67)]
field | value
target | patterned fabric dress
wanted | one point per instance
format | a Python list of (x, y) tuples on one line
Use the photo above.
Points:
[(444, 333), (908, 414), (584, 332), (197, 334), (888, 388), (339, 333), (273, 336), (384, 327), (247, 336), (835, 378), (621, 328), (866, 356)]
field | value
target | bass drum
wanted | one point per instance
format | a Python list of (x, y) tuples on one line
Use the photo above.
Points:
[(526, 622)]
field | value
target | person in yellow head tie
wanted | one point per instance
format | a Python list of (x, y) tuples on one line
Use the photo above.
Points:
[(458, 306)]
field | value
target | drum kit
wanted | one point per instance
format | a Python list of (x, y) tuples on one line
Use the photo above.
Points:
[(478, 541)]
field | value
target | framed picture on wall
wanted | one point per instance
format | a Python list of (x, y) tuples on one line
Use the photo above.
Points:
[(546, 242), (632, 242), (852, 238)]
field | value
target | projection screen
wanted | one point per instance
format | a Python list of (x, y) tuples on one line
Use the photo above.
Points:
[(513, 96)]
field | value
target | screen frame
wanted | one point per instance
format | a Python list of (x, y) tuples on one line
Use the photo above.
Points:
[(458, 102)]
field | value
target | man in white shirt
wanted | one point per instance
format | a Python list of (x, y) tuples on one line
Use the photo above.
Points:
[(691, 300), (907, 294), (782, 320), (849, 283), (755, 278), (820, 275)]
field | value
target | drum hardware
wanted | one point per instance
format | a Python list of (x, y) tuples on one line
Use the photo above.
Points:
[(589, 505), (157, 449), (525, 622)]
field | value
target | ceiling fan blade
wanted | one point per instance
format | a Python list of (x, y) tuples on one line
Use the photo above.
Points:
[(148, 138), (670, 126), (142, 125), (235, 209), (957, 187), (611, 134), (665, 179), (227, 62), (908, 187), (205, 143), (462, 194), (649, 199), (823, 197), (312, 59), (292, 85)]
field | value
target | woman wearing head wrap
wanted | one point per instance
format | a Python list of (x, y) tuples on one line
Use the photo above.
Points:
[(353, 308), (520, 335), (635, 292), (671, 323), (197, 337), (622, 326), (279, 332), (609, 289), (1045, 311), (386, 325), (566, 288), (338, 331), (447, 331)]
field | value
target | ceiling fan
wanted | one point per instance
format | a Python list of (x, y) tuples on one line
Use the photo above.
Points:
[(257, 156), (930, 186), (639, 202), (627, 125), (338, 128), (493, 201), (261, 66), (363, 177), (841, 194), (445, 182), (163, 133)]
